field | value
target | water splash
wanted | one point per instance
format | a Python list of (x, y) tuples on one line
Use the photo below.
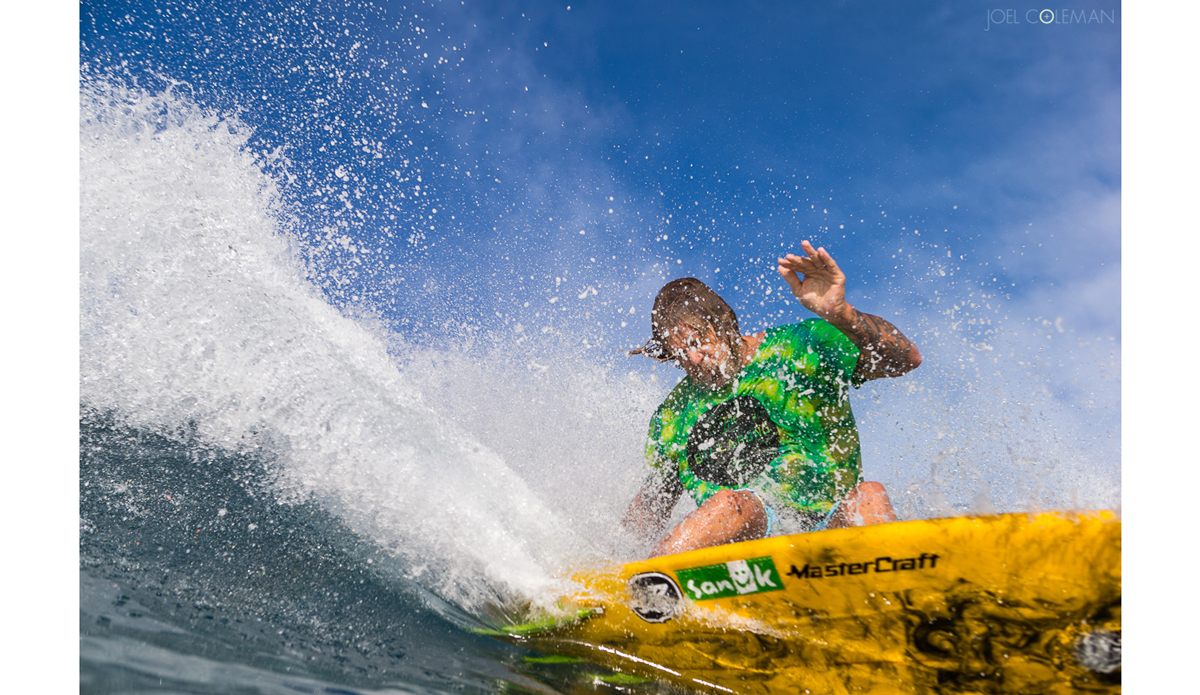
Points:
[(196, 316)]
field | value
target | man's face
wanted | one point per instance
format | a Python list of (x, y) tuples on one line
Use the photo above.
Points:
[(705, 358)]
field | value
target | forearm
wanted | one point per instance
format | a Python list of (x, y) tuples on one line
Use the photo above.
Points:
[(884, 351), (650, 509), (641, 518)]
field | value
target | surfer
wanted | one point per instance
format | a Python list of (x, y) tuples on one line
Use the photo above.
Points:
[(760, 432)]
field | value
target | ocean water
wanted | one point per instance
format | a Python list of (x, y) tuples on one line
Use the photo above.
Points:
[(278, 497), (284, 490), (195, 578)]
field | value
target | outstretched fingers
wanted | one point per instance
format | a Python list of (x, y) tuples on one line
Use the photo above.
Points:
[(827, 260), (815, 261), (789, 275)]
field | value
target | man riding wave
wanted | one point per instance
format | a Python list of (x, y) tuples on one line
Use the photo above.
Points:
[(760, 432)]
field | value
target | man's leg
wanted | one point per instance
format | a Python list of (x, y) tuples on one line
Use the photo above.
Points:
[(866, 504), (727, 517)]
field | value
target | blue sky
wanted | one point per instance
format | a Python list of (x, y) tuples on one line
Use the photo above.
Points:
[(680, 139)]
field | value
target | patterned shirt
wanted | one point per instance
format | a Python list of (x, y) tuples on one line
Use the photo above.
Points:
[(782, 427)]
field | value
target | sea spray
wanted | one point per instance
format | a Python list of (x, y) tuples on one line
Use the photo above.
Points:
[(490, 460), (195, 315)]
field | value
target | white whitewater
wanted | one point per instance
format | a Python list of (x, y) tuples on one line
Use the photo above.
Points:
[(195, 314)]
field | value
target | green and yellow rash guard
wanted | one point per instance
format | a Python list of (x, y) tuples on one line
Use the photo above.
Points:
[(782, 427)]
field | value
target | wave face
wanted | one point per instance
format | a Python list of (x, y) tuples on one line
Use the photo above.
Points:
[(197, 318), (273, 492)]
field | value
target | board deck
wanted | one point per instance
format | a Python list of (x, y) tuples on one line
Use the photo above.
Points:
[(1012, 603)]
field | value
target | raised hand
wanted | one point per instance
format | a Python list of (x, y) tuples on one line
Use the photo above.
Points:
[(822, 289), (883, 349)]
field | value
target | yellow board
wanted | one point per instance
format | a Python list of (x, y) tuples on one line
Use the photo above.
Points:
[(1013, 603)]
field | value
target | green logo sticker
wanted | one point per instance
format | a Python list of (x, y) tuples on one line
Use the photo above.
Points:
[(730, 579)]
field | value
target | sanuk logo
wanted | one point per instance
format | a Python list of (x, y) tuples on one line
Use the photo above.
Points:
[(730, 579)]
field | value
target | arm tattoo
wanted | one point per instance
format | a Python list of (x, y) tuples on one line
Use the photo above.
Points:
[(884, 351)]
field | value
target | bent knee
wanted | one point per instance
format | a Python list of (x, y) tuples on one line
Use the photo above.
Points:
[(733, 498), (742, 503), (869, 504)]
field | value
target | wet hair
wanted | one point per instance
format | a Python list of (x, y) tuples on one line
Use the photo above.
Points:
[(689, 302)]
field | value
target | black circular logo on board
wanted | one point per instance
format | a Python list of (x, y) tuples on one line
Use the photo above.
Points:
[(732, 443), (656, 597), (1100, 651)]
